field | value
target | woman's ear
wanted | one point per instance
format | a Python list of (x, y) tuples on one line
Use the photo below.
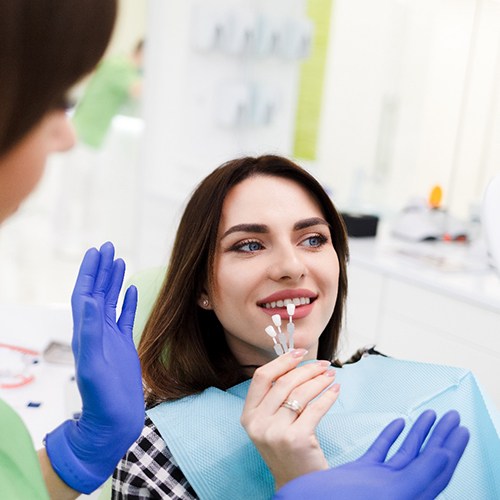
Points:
[(204, 303)]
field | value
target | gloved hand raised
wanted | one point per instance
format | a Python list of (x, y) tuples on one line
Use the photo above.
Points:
[(84, 452), (409, 474)]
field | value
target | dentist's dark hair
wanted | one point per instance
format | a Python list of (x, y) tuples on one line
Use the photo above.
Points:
[(183, 349), (46, 46)]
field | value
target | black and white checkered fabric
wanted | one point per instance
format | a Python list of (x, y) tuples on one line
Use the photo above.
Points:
[(148, 470)]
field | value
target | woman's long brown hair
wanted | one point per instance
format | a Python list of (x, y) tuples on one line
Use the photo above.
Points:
[(183, 348)]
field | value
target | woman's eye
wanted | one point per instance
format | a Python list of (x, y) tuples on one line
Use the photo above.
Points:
[(248, 246), (315, 241)]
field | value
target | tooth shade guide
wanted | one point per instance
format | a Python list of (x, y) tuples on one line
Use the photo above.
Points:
[(285, 344), (278, 349), (270, 331), (290, 327)]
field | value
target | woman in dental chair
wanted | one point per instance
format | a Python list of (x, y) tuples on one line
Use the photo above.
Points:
[(242, 388)]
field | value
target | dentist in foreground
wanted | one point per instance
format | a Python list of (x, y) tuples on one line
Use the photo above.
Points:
[(45, 47)]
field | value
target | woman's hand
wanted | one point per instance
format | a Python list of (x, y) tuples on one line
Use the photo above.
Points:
[(284, 436)]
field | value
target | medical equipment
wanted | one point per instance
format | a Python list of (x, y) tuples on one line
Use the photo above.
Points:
[(490, 217), (278, 349), (290, 327), (15, 366), (284, 345)]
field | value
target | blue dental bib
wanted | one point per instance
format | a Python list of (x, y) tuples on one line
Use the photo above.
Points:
[(204, 434)]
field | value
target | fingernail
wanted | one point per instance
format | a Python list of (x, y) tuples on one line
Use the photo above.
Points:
[(335, 388), (323, 362), (330, 372), (298, 353)]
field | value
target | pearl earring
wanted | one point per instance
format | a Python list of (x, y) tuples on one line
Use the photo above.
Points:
[(205, 303)]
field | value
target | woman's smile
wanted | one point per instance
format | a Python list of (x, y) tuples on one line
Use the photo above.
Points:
[(276, 303)]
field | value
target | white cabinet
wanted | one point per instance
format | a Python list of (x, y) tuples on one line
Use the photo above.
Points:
[(423, 315)]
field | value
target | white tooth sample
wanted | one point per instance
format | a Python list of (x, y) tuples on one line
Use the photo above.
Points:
[(278, 348), (281, 336), (296, 301), (276, 319), (282, 339), (290, 327), (271, 331)]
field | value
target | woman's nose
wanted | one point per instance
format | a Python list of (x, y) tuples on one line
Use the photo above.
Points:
[(287, 265)]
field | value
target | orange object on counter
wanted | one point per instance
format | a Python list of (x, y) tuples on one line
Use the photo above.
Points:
[(436, 197)]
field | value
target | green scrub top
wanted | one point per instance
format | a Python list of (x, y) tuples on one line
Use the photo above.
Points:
[(20, 474), (107, 91)]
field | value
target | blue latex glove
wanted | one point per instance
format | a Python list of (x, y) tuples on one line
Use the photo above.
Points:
[(84, 452), (411, 473)]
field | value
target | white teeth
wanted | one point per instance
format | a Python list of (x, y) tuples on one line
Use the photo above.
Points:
[(298, 301)]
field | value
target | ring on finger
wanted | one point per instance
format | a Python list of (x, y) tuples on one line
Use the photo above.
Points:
[(294, 405)]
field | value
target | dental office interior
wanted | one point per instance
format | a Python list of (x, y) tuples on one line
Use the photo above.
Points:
[(393, 105)]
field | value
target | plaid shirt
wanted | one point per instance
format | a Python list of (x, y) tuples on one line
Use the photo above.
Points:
[(149, 470)]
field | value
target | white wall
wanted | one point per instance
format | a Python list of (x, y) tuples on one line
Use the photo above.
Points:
[(411, 101), (184, 99)]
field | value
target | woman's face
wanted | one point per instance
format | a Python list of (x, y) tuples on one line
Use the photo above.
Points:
[(22, 166), (273, 244)]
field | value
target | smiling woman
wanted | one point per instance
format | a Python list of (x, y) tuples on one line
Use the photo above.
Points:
[(253, 228), (257, 233)]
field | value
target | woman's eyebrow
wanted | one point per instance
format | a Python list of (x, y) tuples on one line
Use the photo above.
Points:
[(313, 221), (247, 228), (262, 228)]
